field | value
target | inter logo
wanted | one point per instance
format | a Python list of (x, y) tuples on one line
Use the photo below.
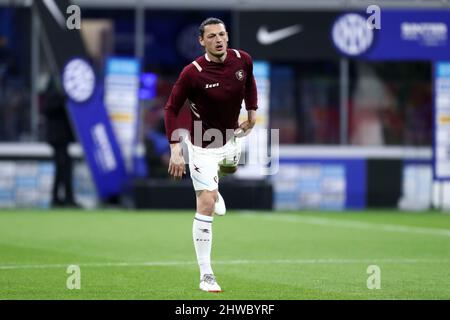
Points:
[(211, 85), (240, 75), (351, 34)]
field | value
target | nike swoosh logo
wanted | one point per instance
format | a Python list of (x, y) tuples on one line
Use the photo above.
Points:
[(266, 37)]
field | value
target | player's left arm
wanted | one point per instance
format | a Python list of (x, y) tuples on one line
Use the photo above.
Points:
[(251, 96), (247, 125)]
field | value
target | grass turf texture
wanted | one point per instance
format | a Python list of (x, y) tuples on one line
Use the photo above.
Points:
[(259, 255)]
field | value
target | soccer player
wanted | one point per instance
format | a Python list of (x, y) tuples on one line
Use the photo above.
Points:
[(215, 84)]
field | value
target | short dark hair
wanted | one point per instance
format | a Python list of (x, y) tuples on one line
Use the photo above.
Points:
[(208, 21)]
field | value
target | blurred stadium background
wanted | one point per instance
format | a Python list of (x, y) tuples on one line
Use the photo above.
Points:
[(362, 128)]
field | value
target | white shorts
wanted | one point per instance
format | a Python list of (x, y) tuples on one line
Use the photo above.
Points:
[(204, 163)]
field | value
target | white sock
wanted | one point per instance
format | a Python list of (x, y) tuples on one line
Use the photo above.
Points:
[(202, 236)]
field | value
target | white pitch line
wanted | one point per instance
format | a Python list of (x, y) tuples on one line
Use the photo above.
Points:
[(225, 262), (352, 224), (98, 264)]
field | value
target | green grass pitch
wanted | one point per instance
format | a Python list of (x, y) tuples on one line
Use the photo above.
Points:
[(256, 255)]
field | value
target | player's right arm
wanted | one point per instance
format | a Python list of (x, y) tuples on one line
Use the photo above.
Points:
[(177, 167), (178, 96)]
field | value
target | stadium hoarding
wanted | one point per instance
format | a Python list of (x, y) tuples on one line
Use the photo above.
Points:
[(85, 105), (441, 121), (286, 35), (347, 177), (122, 82), (413, 34), (320, 183), (95, 133)]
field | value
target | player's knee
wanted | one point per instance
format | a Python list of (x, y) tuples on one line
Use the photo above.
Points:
[(206, 207), (210, 200), (206, 201)]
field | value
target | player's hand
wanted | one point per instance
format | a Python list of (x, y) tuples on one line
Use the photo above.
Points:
[(177, 166), (246, 126), (244, 129)]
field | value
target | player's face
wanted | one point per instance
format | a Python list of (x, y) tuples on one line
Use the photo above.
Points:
[(215, 39)]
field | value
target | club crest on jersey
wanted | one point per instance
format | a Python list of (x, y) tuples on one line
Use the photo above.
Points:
[(211, 85), (240, 75)]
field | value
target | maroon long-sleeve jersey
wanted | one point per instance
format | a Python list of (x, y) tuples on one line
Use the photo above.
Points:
[(215, 92)]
